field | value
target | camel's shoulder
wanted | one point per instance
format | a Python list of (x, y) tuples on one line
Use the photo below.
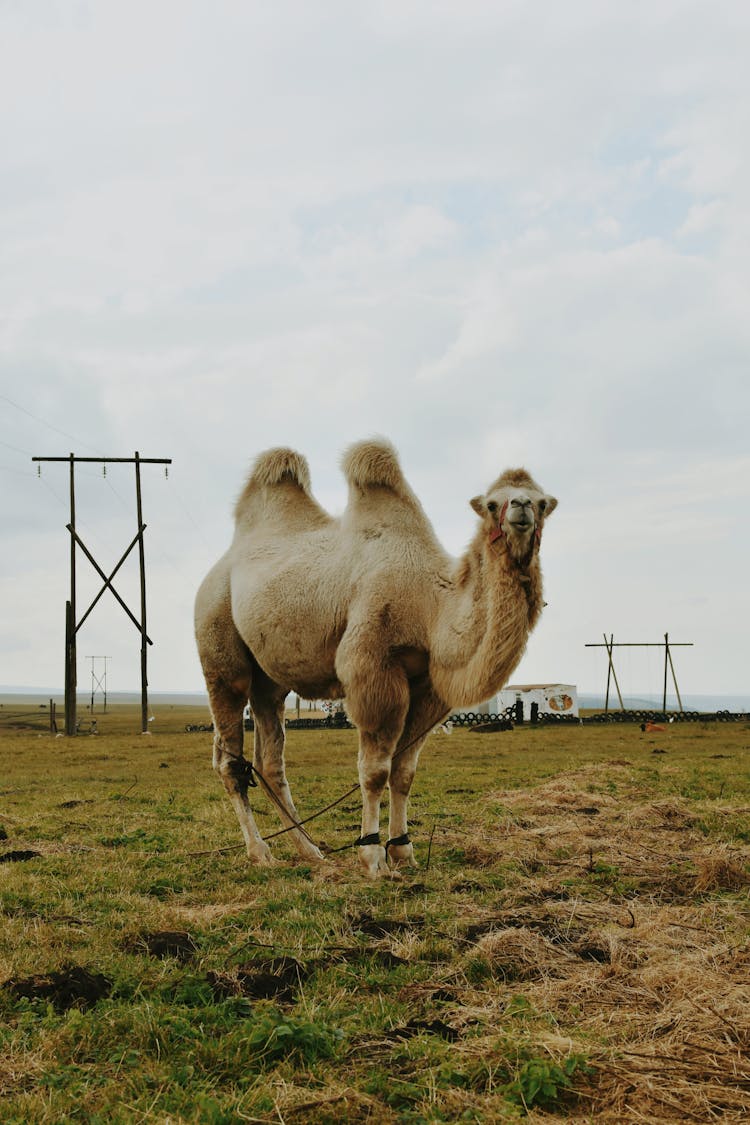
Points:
[(279, 482)]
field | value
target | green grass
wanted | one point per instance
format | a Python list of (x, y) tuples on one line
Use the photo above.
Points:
[(285, 1001)]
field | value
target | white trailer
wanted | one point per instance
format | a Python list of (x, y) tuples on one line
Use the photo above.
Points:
[(551, 699)]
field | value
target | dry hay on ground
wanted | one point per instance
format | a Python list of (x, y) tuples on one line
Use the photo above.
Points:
[(625, 928)]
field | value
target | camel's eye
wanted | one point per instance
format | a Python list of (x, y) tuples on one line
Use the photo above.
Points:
[(492, 506), (542, 506)]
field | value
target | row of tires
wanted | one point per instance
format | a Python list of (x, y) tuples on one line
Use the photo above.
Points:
[(667, 717), (339, 721), (471, 718), (474, 718)]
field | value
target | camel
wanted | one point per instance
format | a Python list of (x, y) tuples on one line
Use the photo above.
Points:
[(367, 607)]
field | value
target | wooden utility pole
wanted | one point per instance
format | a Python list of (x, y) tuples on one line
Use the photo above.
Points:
[(72, 624), (98, 682), (666, 644), (609, 645), (668, 657), (142, 565)]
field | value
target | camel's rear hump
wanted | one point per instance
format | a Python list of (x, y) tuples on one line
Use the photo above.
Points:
[(374, 464), (379, 493)]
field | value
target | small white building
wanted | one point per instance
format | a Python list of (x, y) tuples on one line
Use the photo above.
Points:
[(551, 699)]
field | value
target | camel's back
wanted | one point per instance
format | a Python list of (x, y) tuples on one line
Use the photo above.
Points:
[(290, 560)]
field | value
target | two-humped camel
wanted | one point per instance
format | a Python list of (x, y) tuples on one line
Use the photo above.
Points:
[(367, 607)]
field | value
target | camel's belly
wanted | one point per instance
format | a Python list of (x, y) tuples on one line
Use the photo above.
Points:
[(292, 641), (293, 621)]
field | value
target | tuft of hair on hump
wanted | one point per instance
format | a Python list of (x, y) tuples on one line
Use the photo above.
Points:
[(277, 465), (373, 463), (515, 478)]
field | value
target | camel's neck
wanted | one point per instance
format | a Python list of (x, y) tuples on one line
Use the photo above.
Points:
[(485, 617)]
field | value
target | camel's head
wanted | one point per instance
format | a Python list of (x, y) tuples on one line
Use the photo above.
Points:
[(514, 510)]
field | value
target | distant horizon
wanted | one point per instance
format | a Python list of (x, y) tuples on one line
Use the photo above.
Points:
[(691, 701)]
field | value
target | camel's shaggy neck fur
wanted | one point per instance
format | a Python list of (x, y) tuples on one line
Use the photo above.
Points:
[(484, 620), (368, 606)]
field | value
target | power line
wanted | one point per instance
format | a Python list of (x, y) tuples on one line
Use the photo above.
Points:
[(17, 472), (15, 448), (36, 418)]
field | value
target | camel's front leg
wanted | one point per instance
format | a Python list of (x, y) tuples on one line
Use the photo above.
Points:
[(425, 711), (227, 708), (374, 767), (400, 850), (268, 713), (377, 699)]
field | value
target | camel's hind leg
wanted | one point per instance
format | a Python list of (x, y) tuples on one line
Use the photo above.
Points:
[(227, 669), (227, 701), (425, 711), (267, 702)]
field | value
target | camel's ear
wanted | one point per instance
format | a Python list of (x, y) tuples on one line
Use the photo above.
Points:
[(478, 504), (551, 505)]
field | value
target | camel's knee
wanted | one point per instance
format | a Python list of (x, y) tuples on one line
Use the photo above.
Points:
[(219, 752), (401, 781), (236, 773), (271, 772), (373, 778)]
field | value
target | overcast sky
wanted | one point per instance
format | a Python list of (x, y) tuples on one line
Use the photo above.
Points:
[(497, 233)]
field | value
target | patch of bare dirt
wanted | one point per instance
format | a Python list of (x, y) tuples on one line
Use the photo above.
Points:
[(163, 943), (383, 927), (71, 986), (271, 978), (18, 856)]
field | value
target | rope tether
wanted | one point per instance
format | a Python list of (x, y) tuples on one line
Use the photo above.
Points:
[(246, 770)]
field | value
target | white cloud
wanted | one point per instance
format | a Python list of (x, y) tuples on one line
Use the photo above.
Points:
[(497, 234), (702, 217)]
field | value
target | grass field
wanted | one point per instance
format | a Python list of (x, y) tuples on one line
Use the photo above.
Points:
[(574, 946)]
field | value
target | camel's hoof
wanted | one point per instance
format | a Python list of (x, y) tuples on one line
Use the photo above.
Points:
[(263, 858), (402, 856), (313, 856), (372, 858)]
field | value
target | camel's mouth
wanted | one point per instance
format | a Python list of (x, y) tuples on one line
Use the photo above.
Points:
[(521, 524)]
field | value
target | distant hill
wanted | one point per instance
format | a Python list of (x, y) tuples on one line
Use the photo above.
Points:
[(592, 701), (20, 695), (646, 702)]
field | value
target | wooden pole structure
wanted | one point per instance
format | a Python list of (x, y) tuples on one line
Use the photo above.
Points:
[(71, 663), (609, 645), (609, 672), (142, 565), (674, 678), (72, 625), (98, 682), (666, 644)]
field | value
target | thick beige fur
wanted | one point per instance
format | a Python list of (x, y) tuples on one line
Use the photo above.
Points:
[(368, 607)]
